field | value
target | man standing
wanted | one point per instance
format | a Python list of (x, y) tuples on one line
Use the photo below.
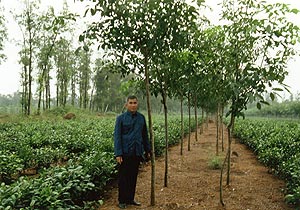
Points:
[(130, 143)]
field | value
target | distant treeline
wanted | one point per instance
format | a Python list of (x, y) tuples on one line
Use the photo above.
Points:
[(290, 109), (11, 104)]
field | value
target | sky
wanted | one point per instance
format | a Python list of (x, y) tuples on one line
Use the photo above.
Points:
[(10, 69)]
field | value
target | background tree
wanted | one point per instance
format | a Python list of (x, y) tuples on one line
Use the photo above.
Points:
[(108, 87), (64, 63), (84, 77), (3, 35), (51, 37), (30, 26)]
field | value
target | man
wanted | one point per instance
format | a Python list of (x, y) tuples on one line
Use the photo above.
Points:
[(130, 143)]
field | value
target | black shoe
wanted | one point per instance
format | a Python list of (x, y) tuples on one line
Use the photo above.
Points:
[(135, 203), (122, 205)]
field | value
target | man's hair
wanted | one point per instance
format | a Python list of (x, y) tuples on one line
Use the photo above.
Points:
[(131, 97)]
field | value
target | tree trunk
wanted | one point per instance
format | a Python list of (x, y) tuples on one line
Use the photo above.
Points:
[(41, 88), (73, 94), (29, 69), (150, 130), (227, 158), (230, 129), (91, 98), (222, 112), (182, 128), (217, 136), (189, 110), (202, 120), (48, 95), (166, 137), (196, 117)]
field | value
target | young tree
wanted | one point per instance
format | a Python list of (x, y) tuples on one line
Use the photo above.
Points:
[(162, 80), (140, 30), (259, 42)]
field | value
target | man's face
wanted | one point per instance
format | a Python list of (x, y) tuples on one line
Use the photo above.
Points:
[(132, 105)]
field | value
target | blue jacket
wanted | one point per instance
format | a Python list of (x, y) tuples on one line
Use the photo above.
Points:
[(131, 135)]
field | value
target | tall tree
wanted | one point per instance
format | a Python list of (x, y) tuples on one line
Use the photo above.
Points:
[(108, 85), (30, 26), (53, 27), (84, 77), (259, 42), (141, 30), (161, 78), (64, 63), (3, 35)]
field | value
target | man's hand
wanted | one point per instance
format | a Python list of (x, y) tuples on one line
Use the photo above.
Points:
[(119, 159)]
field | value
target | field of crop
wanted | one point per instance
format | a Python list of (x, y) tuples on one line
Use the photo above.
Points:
[(277, 145), (63, 164)]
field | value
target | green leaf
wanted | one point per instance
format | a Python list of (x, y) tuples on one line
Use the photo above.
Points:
[(93, 11), (268, 29), (265, 102), (86, 48), (258, 105), (277, 89), (295, 11), (272, 96), (81, 38)]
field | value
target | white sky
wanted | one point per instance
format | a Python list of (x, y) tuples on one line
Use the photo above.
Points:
[(10, 69)]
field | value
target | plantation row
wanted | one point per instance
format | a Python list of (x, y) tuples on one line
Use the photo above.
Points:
[(277, 145), (64, 164)]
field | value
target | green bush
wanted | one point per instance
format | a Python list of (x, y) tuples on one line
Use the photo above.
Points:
[(277, 144)]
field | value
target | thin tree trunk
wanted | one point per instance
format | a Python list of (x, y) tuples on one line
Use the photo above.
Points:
[(166, 138), (150, 131), (29, 72), (202, 120), (73, 90), (221, 180), (189, 109), (91, 97), (222, 112), (41, 89), (182, 125), (196, 118), (48, 95), (230, 129), (217, 136)]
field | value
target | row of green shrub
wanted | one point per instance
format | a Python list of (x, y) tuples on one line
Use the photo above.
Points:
[(74, 160), (277, 145)]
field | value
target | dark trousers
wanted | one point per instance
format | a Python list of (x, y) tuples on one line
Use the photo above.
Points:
[(128, 172)]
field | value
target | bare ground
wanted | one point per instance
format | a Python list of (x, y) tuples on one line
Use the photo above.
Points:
[(193, 185)]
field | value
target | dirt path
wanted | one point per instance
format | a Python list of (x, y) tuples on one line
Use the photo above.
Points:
[(194, 185)]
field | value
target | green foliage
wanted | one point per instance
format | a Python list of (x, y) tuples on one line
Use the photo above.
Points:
[(56, 188), (147, 28), (10, 164), (174, 132), (277, 144), (3, 35), (215, 162), (250, 68), (285, 109), (74, 159)]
